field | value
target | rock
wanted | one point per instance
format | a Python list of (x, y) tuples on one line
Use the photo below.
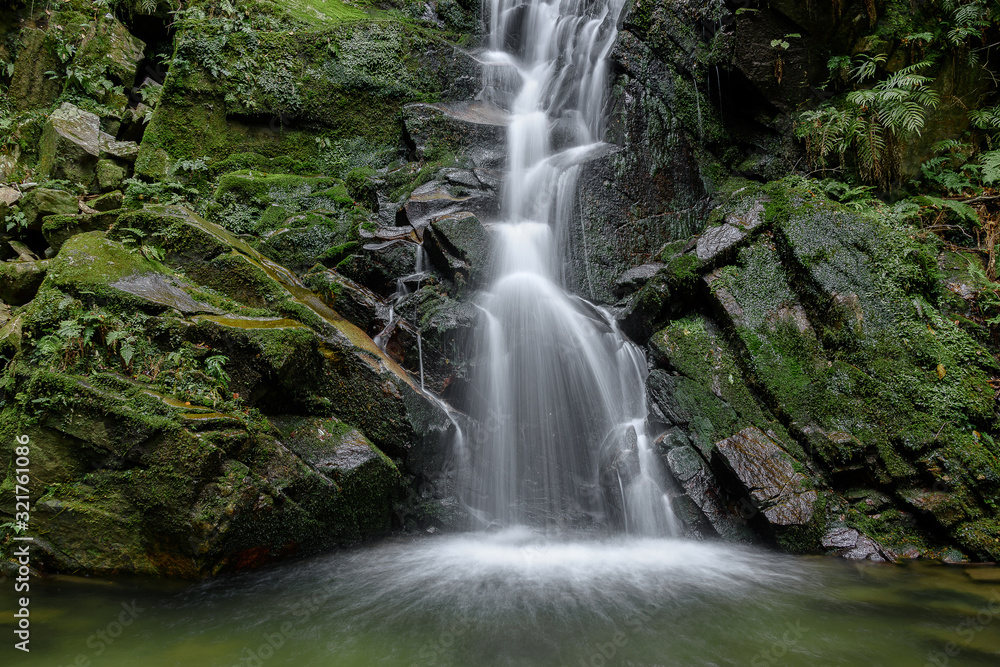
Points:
[(461, 177), (107, 202), (9, 196), (123, 150), (368, 479), (19, 281), (185, 236), (24, 253), (10, 334), (459, 246), (31, 87), (436, 199), (701, 487), (42, 202), (851, 544), (110, 175), (619, 465), (473, 129), (716, 241), (163, 291), (57, 228), (671, 439), (361, 306), (675, 400), (748, 216), (70, 145), (111, 45), (635, 278), (766, 473)]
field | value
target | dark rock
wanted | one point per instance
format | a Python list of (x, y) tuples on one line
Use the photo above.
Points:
[(161, 290), (57, 228), (30, 86), (42, 202), (767, 474), (436, 199), (459, 246), (702, 488), (109, 42), (70, 145), (853, 545), (107, 202), (635, 278), (671, 439), (473, 129), (715, 242), (19, 281), (110, 175), (361, 306)]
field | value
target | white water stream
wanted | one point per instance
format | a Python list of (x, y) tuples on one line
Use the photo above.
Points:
[(557, 393)]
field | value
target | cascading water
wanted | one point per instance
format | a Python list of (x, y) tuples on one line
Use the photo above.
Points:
[(557, 393)]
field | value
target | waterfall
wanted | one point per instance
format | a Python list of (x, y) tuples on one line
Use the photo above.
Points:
[(557, 392)]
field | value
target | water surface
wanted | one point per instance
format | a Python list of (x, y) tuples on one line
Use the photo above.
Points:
[(518, 598)]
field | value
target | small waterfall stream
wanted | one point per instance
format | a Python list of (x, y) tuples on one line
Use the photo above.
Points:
[(557, 391)]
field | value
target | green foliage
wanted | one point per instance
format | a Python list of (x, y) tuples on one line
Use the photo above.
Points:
[(215, 367), (133, 239), (85, 338), (871, 121), (16, 220), (991, 167), (138, 193)]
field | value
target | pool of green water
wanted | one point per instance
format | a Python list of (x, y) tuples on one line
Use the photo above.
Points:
[(516, 598)]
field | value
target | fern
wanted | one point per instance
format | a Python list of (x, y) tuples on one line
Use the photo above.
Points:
[(991, 167), (965, 212)]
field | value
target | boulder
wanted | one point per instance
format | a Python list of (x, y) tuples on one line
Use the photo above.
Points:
[(703, 490), (850, 544), (110, 175), (474, 129), (19, 281), (715, 242), (57, 228), (766, 472), (436, 199), (70, 145), (30, 86), (164, 291), (459, 246), (42, 202), (635, 278), (110, 44)]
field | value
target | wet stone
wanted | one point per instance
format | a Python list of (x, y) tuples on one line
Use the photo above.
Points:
[(160, 290), (716, 241), (768, 476), (853, 545)]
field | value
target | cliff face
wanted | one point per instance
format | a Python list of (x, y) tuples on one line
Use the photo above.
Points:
[(210, 212)]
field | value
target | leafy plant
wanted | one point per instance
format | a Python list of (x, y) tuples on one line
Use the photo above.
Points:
[(871, 121), (16, 220), (215, 367)]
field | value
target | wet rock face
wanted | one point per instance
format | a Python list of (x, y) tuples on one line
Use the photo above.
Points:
[(789, 383), (715, 514), (474, 129), (850, 544), (769, 477)]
